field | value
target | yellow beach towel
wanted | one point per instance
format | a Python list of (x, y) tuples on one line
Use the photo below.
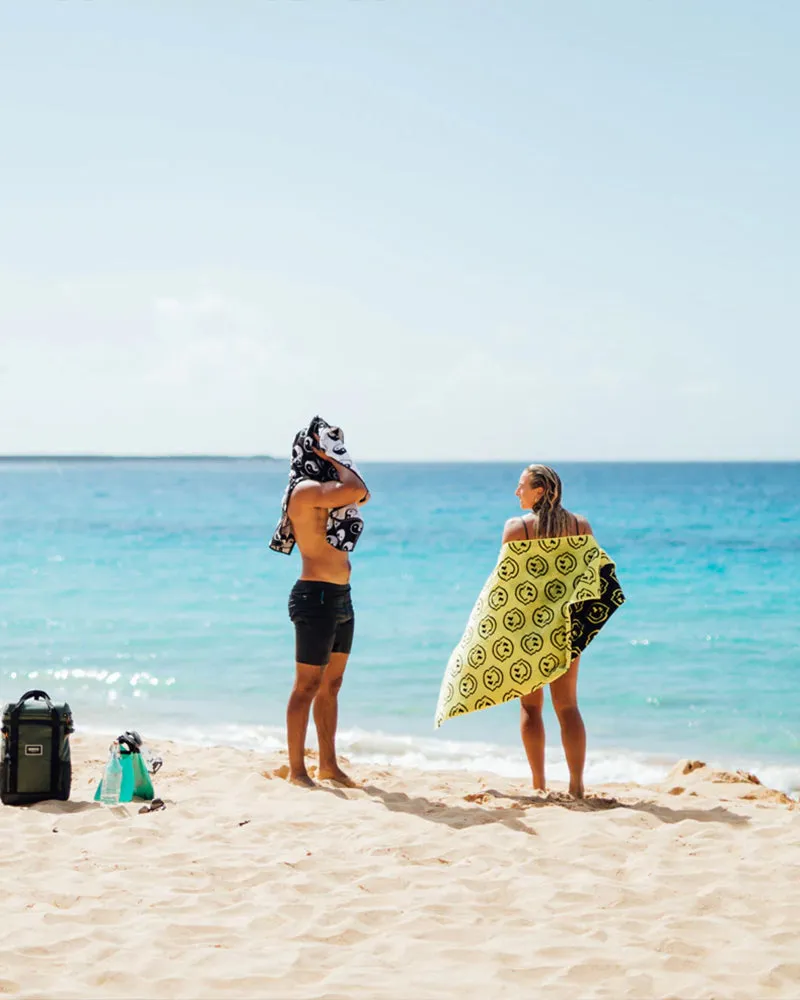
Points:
[(545, 601)]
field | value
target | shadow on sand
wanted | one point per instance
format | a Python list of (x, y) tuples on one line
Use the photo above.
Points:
[(599, 803), (460, 817)]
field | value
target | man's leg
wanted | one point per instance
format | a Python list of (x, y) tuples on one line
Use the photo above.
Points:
[(326, 716), (532, 731), (306, 684)]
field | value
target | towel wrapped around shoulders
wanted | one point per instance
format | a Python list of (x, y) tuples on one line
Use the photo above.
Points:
[(545, 601)]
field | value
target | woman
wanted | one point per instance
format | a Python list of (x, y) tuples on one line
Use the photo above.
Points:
[(539, 491), (549, 595)]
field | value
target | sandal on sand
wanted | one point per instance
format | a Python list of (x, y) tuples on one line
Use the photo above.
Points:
[(154, 806)]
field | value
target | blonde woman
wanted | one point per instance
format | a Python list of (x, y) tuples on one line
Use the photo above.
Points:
[(550, 593), (539, 493)]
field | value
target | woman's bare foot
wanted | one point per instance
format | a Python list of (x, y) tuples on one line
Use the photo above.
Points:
[(576, 790), (303, 780), (337, 775)]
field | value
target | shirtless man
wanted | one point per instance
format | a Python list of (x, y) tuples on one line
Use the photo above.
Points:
[(322, 612)]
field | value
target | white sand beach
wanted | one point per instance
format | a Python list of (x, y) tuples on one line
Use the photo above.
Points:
[(435, 885)]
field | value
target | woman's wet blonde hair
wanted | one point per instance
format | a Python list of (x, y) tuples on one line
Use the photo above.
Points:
[(553, 519)]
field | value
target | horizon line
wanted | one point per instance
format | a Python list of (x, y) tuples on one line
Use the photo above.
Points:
[(221, 457)]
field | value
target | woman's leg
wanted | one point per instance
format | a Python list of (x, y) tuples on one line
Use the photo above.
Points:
[(564, 693), (532, 731)]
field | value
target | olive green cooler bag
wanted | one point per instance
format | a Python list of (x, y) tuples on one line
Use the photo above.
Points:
[(36, 763)]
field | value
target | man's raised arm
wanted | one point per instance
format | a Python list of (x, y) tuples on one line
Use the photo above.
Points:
[(349, 489)]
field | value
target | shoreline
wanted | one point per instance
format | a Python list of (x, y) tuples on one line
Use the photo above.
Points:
[(420, 883), (605, 764)]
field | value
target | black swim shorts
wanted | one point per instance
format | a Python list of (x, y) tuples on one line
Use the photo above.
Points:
[(323, 619)]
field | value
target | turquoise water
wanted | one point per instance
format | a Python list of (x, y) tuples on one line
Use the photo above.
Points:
[(145, 595)]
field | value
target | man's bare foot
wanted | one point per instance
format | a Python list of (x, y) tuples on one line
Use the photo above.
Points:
[(337, 775), (303, 780)]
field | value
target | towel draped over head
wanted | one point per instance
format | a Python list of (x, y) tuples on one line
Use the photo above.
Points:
[(344, 524), (545, 601)]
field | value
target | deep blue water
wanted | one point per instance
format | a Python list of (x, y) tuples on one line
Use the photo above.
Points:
[(144, 593)]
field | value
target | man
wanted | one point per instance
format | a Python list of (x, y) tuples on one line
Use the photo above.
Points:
[(320, 513)]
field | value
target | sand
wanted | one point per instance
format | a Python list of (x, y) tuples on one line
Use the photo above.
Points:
[(417, 885)]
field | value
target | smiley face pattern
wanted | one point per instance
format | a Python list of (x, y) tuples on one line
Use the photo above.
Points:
[(545, 601)]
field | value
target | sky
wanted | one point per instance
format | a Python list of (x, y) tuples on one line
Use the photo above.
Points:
[(507, 230)]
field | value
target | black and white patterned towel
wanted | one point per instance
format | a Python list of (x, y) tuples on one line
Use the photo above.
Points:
[(344, 523)]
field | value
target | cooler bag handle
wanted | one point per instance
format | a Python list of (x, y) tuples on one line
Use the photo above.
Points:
[(32, 696)]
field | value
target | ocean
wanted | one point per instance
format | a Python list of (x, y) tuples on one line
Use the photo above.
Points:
[(143, 592)]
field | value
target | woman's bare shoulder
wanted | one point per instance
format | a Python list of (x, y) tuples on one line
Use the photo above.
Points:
[(514, 530)]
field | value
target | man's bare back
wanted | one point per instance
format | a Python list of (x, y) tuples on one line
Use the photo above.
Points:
[(321, 561)]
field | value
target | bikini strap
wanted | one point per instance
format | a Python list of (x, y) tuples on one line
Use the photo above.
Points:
[(525, 526)]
